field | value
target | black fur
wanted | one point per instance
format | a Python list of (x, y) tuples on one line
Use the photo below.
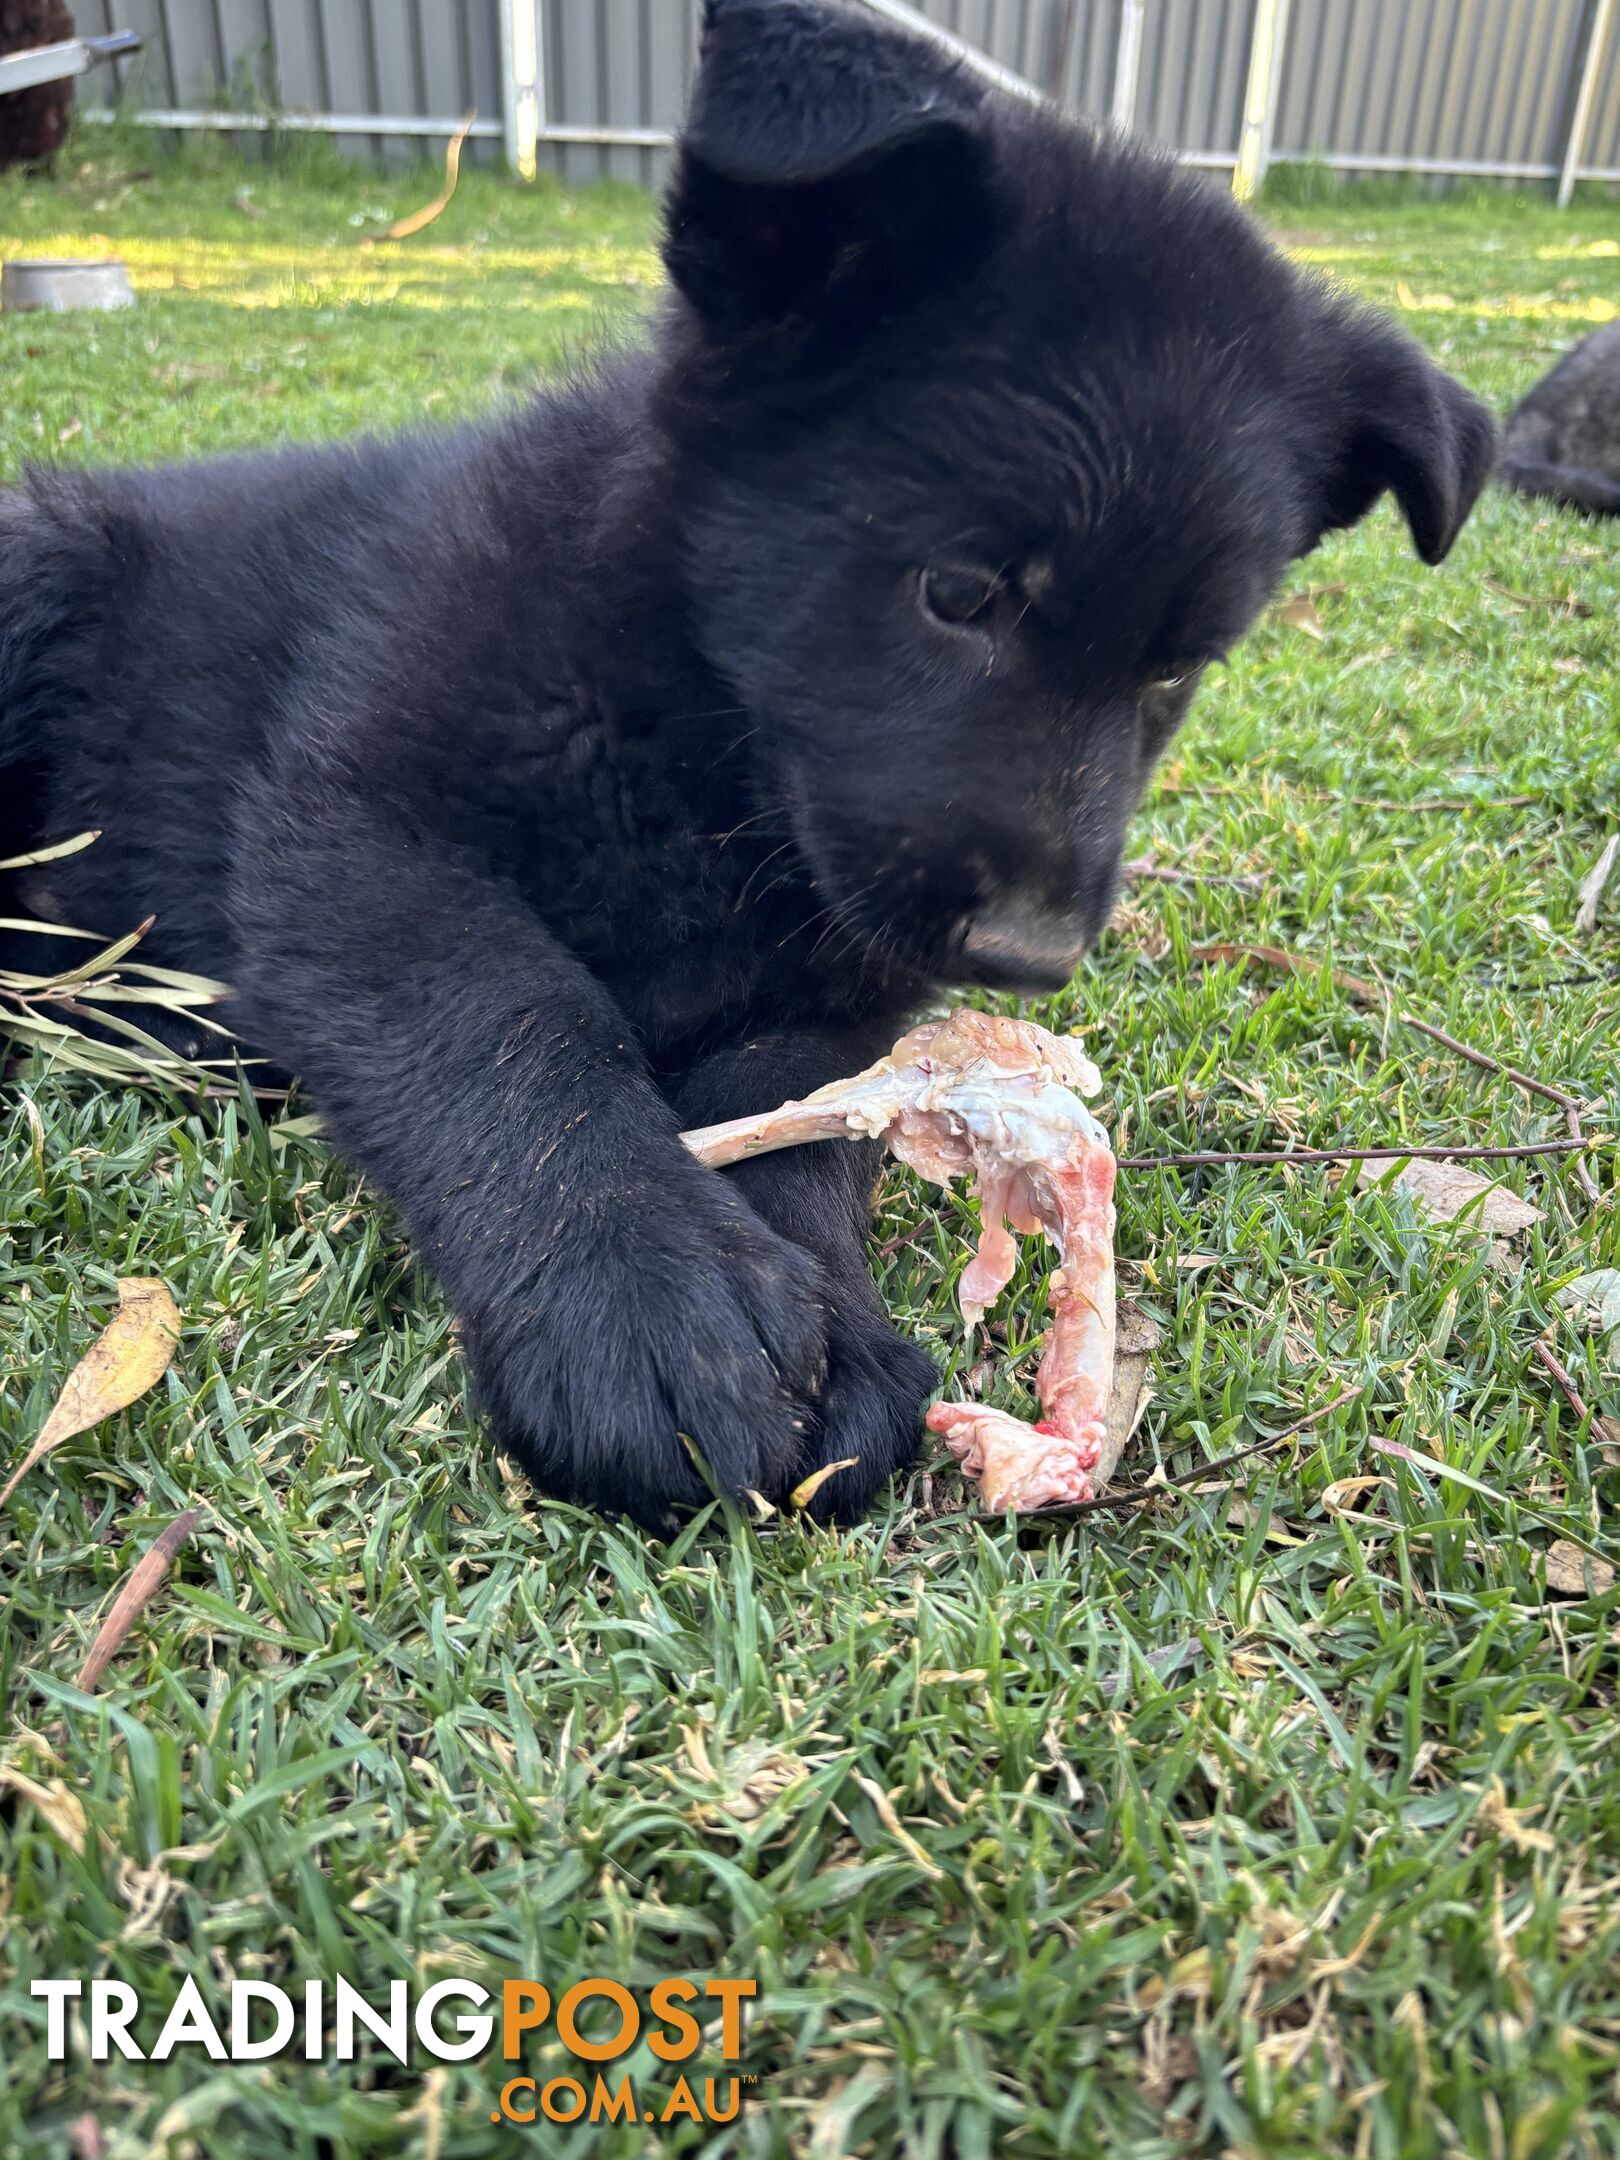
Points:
[(1562, 440), (651, 754)]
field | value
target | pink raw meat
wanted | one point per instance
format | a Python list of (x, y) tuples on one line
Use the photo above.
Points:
[(996, 1100)]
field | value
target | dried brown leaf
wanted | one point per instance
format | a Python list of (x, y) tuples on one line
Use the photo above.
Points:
[(61, 1809), (1593, 1303), (1568, 1568), (132, 1353), (1299, 612), (1511, 1824), (1592, 885), (1136, 1337), (1443, 1190), (895, 1827), (746, 1778), (807, 1488)]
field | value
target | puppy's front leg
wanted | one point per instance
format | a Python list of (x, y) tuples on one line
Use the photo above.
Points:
[(613, 1294), (877, 1382)]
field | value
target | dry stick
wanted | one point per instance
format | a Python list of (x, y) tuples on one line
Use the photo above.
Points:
[(144, 1578), (1353, 1154), (1295, 964), (1359, 802), (1138, 1495), (1601, 1427), (1143, 868), (1444, 802)]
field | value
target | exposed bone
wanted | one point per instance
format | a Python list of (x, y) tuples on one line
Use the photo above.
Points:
[(996, 1100)]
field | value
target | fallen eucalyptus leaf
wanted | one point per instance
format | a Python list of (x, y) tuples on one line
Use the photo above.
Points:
[(61, 1809), (132, 1353), (1442, 1191), (1591, 892), (1593, 1303), (1567, 1569), (1136, 1337)]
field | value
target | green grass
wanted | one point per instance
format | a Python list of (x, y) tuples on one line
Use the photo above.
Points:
[(1285, 1830)]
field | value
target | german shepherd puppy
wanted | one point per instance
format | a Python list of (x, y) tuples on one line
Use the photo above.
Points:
[(1562, 439), (654, 752)]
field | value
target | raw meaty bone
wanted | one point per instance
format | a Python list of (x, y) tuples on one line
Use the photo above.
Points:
[(996, 1100)]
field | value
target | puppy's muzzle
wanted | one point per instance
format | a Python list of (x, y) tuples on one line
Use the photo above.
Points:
[(1028, 951)]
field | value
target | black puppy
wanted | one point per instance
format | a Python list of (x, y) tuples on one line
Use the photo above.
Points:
[(1562, 439), (649, 755)]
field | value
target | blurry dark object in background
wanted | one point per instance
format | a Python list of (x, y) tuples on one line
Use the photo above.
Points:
[(33, 122), (1563, 439)]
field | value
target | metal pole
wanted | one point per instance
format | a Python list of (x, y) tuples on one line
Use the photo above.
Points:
[(220, 120), (1260, 96), (1597, 37), (981, 63), (541, 100), (1127, 63), (522, 83)]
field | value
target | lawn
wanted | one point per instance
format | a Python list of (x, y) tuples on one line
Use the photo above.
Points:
[(1279, 1819)]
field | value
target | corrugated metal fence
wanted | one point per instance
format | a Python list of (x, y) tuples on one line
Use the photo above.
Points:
[(1521, 89)]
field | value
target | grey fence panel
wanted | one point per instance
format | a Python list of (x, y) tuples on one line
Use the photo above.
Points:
[(478, 44), (1029, 36), (147, 73), (1470, 81), (386, 59), (394, 51), (1088, 84), (1603, 137), (300, 79), (1470, 84), (1194, 66)]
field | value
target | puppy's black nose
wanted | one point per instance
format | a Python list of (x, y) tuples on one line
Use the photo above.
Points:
[(1026, 951)]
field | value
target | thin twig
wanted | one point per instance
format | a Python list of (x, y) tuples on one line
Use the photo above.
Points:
[(1275, 956), (144, 1578), (1444, 802), (1546, 982), (1354, 1154), (1487, 1063), (1602, 1430), (1569, 1104), (1139, 1495), (1283, 786), (1143, 869)]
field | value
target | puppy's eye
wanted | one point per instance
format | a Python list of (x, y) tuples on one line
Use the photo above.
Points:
[(957, 597), (1178, 676)]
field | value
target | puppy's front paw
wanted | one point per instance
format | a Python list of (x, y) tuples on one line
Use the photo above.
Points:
[(659, 1323), (878, 1386)]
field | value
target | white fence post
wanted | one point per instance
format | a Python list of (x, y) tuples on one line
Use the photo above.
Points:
[(523, 84), (1597, 37), (1127, 63), (1260, 96)]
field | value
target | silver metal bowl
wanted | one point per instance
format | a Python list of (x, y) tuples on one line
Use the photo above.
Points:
[(58, 286)]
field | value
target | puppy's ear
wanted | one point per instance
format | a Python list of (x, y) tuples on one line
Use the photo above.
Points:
[(829, 164), (1403, 425)]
